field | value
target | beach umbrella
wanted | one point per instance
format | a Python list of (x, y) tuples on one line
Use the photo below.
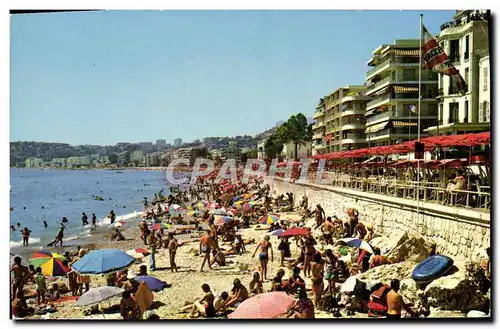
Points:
[(349, 284), (238, 204), (97, 295), (214, 205), (117, 224), (295, 231), (247, 196), (49, 262), (277, 232), (248, 206), (138, 252), (232, 212), (269, 219), (153, 283), (221, 220), (218, 212), (103, 261), (264, 306), (200, 205), (358, 243), (194, 212), (159, 226), (236, 198)]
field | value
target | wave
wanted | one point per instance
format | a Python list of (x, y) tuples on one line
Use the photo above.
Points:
[(107, 221), (20, 243)]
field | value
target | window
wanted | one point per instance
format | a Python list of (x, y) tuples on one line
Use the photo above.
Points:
[(453, 113), (441, 113), (466, 114), (409, 75), (485, 79), (454, 51), (453, 87), (466, 51), (466, 78), (485, 111)]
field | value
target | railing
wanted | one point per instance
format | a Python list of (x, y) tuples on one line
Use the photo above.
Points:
[(377, 84), (380, 116), (392, 60), (431, 192), (378, 100)]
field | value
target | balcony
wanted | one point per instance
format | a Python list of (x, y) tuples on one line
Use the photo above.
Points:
[(391, 61), (318, 124), (318, 114), (317, 136), (349, 112), (427, 78), (352, 126), (353, 140), (378, 101), (319, 146)]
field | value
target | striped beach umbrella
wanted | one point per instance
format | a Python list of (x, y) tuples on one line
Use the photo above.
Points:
[(264, 306), (138, 253), (159, 226), (248, 206), (49, 262), (269, 219), (221, 220)]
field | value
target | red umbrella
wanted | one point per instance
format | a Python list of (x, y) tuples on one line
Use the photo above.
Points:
[(264, 306), (295, 231)]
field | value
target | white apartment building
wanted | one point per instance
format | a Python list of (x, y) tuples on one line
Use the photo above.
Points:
[(344, 118), (392, 82), (318, 128), (303, 151), (465, 41)]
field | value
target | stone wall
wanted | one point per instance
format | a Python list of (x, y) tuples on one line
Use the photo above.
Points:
[(459, 233)]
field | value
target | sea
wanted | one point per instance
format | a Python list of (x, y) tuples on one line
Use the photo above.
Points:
[(38, 195)]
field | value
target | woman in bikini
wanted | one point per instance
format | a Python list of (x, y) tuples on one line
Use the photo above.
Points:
[(309, 251), (330, 275), (317, 266), (264, 246)]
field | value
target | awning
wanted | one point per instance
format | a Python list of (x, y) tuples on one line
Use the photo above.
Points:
[(399, 124), (406, 52), (381, 91), (376, 127), (405, 89)]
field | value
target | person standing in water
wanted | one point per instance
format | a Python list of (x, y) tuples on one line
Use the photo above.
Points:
[(45, 224), (26, 236), (112, 216), (84, 219), (94, 221), (60, 235)]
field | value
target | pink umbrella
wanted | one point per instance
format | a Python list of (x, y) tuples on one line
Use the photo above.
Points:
[(264, 306)]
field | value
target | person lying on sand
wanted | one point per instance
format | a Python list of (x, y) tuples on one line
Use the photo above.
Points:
[(209, 305)]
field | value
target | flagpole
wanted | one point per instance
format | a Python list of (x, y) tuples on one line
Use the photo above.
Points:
[(419, 103)]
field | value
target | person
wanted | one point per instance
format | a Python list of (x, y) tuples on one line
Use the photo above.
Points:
[(60, 235), (353, 222), (238, 294), (360, 230), (317, 266), (218, 257), (330, 274), (26, 235), (145, 232), (347, 230), (12, 227), (146, 203), (31, 274), (284, 248), (205, 305), (319, 215), (206, 245), (116, 235), (309, 251), (84, 219), (328, 228), (377, 259), (41, 286), (369, 234), (487, 269), (255, 286), (303, 308), (131, 284), (112, 216), (172, 249), (20, 273), (277, 284), (395, 302), (128, 307), (152, 245), (304, 202), (45, 224), (64, 220), (264, 246), (19, 307), (295, 282), (94, 221), (143, 270)]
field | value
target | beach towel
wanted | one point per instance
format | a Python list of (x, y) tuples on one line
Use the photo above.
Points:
[(144, 297)]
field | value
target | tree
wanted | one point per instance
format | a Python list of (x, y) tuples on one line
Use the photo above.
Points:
[(253, 154), (296, 130), (113, 158), (273, 146), (202, 153)]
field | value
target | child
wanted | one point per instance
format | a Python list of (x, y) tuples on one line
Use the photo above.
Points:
[(41, 286)]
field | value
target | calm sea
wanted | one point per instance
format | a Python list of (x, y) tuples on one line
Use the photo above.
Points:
[(68, 193)]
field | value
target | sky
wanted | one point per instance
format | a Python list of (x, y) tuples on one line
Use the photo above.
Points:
[(132, 76)]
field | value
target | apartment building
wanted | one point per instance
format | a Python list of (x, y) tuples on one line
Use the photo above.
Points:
[(466, 42), (318, 128), (393, 82), (344, 119)]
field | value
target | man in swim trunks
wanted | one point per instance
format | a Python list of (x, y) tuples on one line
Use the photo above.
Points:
[(319, 215), (264, 246), (172, 249), (84, 219), (378, 259), (328, 228), (20, 273), (206, 245), (360, 230), (395, 302)]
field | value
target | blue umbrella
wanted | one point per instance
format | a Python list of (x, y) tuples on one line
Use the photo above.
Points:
[(103, 261), (358, 243), (153, 283)]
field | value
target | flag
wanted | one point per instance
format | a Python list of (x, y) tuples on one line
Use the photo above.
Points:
[(434, 58)]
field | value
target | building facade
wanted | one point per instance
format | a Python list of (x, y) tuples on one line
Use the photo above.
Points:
[(393, 83), (161, 144), (466, 42), (303, 151), (232, 151), (318, 128), (177, 142)]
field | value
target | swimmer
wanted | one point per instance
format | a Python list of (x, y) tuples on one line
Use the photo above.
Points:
[(18, 225), (12, 228), (64, 220), (43, 207), (11, 208), (24, 208), (45, 223)]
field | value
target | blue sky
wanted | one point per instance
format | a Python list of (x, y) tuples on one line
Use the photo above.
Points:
[(106, 77)]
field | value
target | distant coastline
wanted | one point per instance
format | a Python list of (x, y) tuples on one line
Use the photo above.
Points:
[(182, 169)]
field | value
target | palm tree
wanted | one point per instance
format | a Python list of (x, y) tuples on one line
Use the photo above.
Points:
[(296, 130), (273, 146)]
